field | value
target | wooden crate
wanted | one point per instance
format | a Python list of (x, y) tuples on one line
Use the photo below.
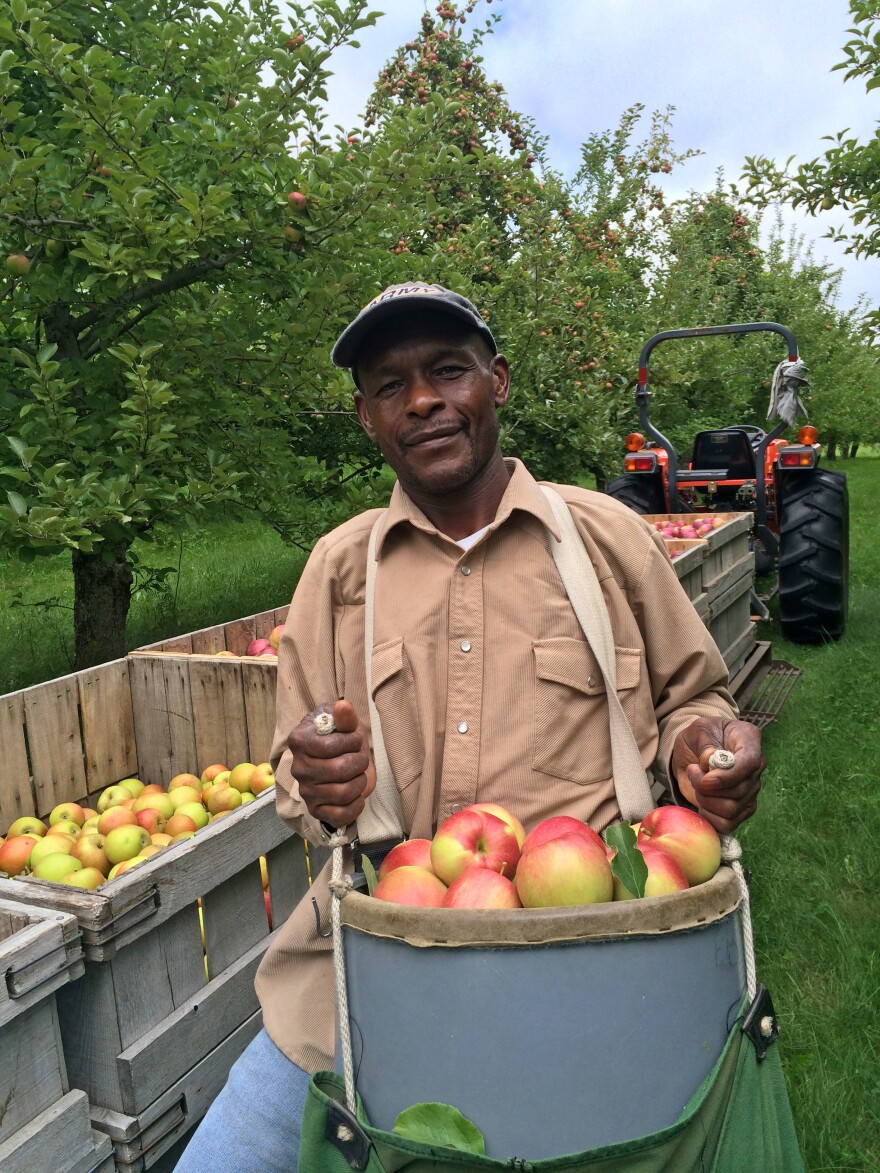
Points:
[(726, 576), (146, 1013), (43, 1124), (224, 637)]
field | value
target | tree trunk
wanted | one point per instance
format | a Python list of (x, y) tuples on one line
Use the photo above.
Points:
[(832, 449), (101, 599), (853, 449)]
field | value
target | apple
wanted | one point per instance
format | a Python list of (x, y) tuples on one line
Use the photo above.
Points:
[(92, 824), (87, 878), (152, 788), (221, 799), (163, 838), (151, 820), (183, 835), (413, 852), (296, 199), (691, 841), (69, 811), (268, 903), (411, 885), (499, 812), (264, 872), (191, 780), (125, 842), (558, 825), (180, 822), (276, 633), (89, 850), (150, 850), (181, 794), (18, 264), (113, 796), (257, 646), (160, 802), (664, 874), (224, 652), (16, 852), (27, 825), (478, 887), (195, 811), (473, 837), (50, 845), (568, 870), (64, 827), (116, 816), (247, 796), (56, 866), (54, 248), (134, 786), (124, 865), (240, 776), (263, 777), (211, 772), (89, 813)]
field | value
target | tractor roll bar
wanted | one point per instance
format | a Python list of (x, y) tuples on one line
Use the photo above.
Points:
[(643, 393)]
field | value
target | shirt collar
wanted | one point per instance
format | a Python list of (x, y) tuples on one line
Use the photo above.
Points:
[(522, 493)]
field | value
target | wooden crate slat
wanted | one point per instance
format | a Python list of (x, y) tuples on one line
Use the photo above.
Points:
[(91, 1044), (220, 722), (181, 941), (742, 568), (177, 1044), (107, 724), (240, 632), (32, 1074), (259, 684), (60, 1137), (288, 877), (163, 718), (734, 590), (51, 713), (142, 968), (279, 615), (41, 953), (139, 1141), (235, 918), (208, 641), (16, 793)]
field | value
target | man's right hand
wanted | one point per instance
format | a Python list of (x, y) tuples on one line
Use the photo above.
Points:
[(334, 771)]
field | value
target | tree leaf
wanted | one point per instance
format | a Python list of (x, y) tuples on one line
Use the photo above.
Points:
[(369, 874), (440, 1124), (628, 863)]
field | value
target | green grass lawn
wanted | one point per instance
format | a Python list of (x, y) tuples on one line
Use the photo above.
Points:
[(812, 848)]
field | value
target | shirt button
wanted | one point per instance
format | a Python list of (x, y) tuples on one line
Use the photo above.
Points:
[(465, 645), (465, 570), (591, 680), (455, 808), (462, 727)]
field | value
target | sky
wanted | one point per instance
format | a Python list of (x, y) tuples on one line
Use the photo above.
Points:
[(747, 77)]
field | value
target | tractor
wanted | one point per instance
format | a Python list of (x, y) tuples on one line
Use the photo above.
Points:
[(801, 511)]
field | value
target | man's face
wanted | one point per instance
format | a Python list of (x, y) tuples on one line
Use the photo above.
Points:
[(429, 391)]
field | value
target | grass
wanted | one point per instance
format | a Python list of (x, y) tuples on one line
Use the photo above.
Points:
[(813, 848)]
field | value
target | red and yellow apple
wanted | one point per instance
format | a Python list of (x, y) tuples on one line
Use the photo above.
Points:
[(411, 885), (471, 837), (502, 813), (664, 874), (691, 841), (89, 850), (416, 852), (568, 870), (125, 842), (113, 796), (479, 887), (86, 878), (16, 852), (558, 825), (116, 816), (263, 777), (27, 825)]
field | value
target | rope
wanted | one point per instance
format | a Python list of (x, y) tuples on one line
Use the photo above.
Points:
[(340, 885), (731, 853)]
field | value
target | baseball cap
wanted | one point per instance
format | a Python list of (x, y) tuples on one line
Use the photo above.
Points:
[(399, 299)]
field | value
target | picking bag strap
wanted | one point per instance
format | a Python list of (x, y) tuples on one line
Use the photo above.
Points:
[(631, 783), (382, 817)]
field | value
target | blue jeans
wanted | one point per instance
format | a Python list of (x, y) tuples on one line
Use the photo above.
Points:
[(254, 1124)]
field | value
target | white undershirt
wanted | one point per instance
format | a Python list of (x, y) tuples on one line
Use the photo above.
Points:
[(471, 539)]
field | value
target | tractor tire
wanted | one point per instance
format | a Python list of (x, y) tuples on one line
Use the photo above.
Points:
[(642, 493), (814, 556)]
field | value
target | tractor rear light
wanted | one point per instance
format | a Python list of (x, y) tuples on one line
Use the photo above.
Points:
[(647, 462), (635, 442), (792, 457), (808, 434)]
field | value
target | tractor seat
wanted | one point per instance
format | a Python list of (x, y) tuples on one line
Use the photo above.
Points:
[(730, 450)]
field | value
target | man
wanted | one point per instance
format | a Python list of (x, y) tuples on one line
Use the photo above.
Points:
[(480, 672)]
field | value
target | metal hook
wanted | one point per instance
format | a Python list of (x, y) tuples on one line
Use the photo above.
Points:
[(329, 932)]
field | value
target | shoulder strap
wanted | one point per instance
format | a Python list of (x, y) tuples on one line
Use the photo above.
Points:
[(382, 817), (582, 586)]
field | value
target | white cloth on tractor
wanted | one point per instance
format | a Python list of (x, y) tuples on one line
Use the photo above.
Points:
[(785, 401)]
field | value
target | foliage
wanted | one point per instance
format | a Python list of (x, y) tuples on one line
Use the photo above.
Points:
[(847, 176)]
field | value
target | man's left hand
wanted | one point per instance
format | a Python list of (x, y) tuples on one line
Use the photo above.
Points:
[(724, 797)]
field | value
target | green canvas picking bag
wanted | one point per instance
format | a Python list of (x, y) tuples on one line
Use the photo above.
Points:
[(738, 1119)]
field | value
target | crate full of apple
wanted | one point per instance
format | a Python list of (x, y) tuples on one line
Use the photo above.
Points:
[(481, 857), (85, 848)]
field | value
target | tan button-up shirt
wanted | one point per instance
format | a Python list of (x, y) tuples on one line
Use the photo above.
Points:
[(485, 685)]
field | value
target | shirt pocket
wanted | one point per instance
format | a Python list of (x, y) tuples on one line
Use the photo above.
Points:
[(394, 695), (572, 737)]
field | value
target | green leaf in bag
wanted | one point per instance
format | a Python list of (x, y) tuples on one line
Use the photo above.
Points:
[(369, 874), (628, 864), (440, 1124)]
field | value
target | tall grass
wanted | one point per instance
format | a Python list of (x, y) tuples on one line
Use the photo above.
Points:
[(813, 848)]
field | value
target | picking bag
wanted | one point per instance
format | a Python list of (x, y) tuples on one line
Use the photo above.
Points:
[(738, 1119)]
